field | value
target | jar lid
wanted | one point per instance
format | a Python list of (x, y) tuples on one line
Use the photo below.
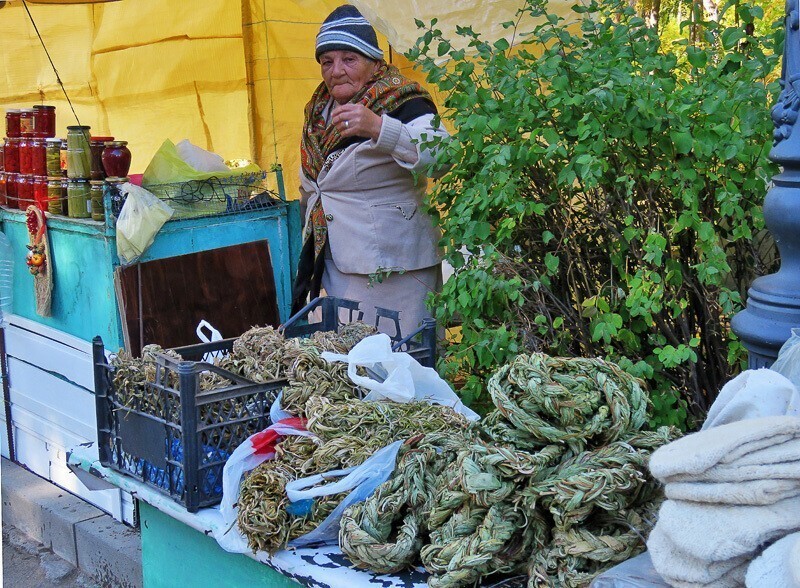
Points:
[(54, 140), (78, 180), (116, 143), (78, 128), (54, 179), (12, 110), (96, 182), (101, 139), (43, 107), (117, 180), (26, 110)]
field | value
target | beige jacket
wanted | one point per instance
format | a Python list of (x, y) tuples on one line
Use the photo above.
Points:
[(373, 202)]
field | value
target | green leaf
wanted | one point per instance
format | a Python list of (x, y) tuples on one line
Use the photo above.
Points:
[(683, 142)]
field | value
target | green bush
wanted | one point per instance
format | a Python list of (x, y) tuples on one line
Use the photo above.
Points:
[(605, 197)]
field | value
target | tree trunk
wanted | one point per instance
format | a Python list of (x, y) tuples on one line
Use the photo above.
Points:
[(712, 10)]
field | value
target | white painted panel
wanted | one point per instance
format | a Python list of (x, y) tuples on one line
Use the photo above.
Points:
[(52, 356), (52, 399), (49, 460), (50, 333)]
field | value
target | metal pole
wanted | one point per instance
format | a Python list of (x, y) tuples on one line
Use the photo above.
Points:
[(773, 304)]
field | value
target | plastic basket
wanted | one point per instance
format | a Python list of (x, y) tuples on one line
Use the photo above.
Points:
[(182, 450)]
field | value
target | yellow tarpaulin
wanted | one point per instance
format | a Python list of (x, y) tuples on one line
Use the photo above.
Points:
[(232, 76)]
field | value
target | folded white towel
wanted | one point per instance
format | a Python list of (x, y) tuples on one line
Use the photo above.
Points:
[(778, 566), (753, 394), (678, 567), (689, 457), (753, 492), (715, 533)]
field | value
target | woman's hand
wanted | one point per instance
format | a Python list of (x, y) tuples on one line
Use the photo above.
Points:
[(356, 120)]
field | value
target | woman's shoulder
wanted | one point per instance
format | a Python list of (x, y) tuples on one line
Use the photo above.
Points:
[(413, 109)]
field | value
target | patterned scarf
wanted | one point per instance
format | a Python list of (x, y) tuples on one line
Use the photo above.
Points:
[(385, 91)]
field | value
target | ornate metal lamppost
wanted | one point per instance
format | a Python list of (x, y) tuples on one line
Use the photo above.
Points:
[(773, 305)]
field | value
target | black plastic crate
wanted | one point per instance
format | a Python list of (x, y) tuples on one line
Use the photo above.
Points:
[(182, 450)]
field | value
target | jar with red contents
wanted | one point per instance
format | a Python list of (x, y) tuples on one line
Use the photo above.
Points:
[(3, 189), (40, 196), (24, 191), (98, 145), (11, 155), (25, 155), (11, 189), (12, 122), (44, 120), (25, 122), (38, 151)]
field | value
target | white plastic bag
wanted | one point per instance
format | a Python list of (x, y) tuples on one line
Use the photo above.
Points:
[(141, 217), (361, 480), (213, 335), (788, 362), (199, 158), (404, 378), (255, 450)]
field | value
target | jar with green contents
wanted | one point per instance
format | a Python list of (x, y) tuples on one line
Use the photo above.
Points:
[(96, 196), (54, 195), (53, 157), (79, 153), (78, 203)]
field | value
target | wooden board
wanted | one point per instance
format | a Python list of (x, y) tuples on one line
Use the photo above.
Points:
[(233, 288)]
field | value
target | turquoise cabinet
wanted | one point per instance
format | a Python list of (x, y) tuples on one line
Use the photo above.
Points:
[(85, 256)]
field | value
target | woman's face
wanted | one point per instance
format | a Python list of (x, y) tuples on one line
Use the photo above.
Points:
[(345, 73)]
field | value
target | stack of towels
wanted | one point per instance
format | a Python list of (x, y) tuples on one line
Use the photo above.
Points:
[(732, 513)]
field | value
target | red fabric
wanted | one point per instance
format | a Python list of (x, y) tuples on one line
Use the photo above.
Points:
[(265, 441)]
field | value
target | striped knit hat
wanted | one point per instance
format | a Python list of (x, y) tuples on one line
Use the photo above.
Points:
[(346, 30)]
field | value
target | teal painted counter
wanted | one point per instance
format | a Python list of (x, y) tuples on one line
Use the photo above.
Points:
[(84, 256), (174, 554)]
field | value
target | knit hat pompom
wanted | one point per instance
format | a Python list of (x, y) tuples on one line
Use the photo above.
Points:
[(346, 30)]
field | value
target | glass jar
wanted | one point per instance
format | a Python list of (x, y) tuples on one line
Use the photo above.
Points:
[(25, 122), (78, 152), (54, 194), (63, 158), (11, 155), (40, 192), (96, 196), (24, 191), (97, 145), (117, 159), (44, 120), (38, 156), (78, 203), (12, 123), (52, 156), (64, 196), (25, 161), (3, 189), (12, 181)]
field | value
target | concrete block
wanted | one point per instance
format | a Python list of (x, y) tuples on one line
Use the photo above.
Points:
[(60, 517), (109, 551), (23, 493), (43, 511)]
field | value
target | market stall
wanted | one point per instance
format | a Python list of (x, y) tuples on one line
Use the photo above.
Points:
[(70, 283)]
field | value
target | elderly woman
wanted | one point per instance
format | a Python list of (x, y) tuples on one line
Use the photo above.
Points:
[(366, 235)]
